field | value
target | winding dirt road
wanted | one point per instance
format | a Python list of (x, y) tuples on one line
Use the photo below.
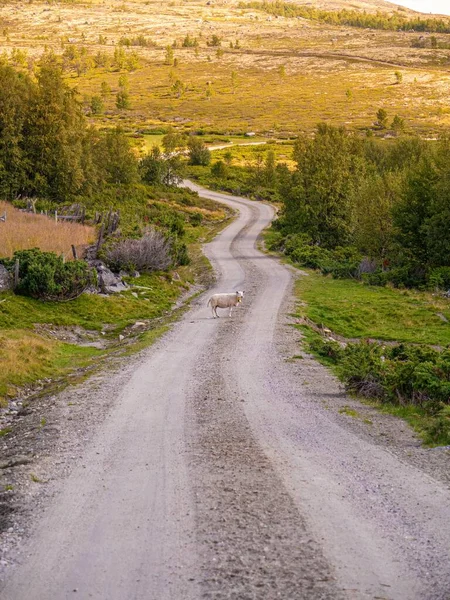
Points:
[(220, 474)]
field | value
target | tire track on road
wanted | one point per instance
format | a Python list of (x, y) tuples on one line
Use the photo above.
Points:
[(253, 542)]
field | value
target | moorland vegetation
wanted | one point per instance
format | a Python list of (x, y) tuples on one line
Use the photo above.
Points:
[(227, 69)]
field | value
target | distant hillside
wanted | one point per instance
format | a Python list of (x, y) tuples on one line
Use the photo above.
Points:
[(367, 5), (394, 20), (231, 67)]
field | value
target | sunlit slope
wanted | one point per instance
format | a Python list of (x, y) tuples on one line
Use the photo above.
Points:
[(270, 74)]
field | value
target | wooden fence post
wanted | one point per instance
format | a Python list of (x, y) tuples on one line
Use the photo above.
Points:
[(108, 221), (100, 238), (74, 252)]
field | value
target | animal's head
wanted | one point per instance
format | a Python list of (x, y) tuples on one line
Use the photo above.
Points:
[(239, 295)]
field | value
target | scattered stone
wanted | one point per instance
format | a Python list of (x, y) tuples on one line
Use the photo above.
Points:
[(5, 279), (121, 338)]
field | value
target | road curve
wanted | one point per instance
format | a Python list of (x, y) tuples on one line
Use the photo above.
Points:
[(219, 475)]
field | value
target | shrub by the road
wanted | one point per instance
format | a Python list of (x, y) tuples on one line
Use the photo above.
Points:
[(152, 252), (404, 375), (341, 262), (45, 275)]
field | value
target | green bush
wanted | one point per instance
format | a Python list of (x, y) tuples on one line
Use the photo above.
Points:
[(179, 252), (199, 154), (439, 278), (362, 369), (299, 249), (418, 375), (326, 348), (405, 276), (46, 276), (274, 239), (219, 170), (196, 219), (402, 374), (340, 263), (379, 277), (409, 276)]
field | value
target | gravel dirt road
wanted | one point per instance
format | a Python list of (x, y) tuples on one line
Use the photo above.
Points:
[(221, 470)]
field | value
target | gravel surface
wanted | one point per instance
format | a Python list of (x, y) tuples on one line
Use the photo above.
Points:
[(214, 465)]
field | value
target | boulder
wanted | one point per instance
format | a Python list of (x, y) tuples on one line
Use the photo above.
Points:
[(5, 279), (107, 281)]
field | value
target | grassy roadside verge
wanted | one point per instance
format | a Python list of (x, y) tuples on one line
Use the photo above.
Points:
[(41, 342), (395, 373), (356, 311)]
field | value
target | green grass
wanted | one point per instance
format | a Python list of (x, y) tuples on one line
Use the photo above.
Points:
[(424, 424), (27, 356), (350, 412), (151, 140), (91, 311), (243, 155), (353, 310), (418, 419)]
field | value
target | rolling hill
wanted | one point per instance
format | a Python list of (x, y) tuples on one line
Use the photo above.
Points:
[(234, 68)]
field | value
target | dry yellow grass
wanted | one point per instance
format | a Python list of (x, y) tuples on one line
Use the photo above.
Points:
[(341, 75), (24, 230), (22, 357)]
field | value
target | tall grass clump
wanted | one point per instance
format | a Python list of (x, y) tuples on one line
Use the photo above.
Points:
[(152, 252)]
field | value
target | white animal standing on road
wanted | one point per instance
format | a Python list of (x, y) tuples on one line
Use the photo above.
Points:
[(225, 301)]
